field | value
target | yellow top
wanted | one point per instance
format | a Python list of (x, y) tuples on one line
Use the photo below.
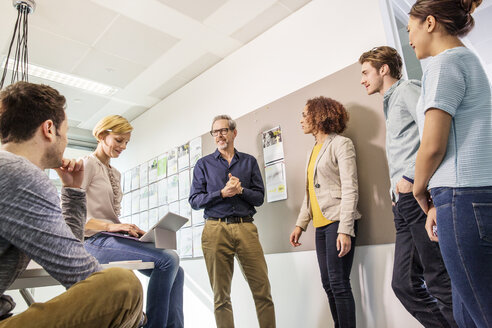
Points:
[(318, 219)]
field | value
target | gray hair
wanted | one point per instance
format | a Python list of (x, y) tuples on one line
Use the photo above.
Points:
[(232, 123)]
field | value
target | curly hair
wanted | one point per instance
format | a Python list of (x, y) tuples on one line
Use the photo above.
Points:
[(327, 115)]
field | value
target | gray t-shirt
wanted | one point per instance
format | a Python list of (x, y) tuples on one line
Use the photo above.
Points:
[(34, 226)]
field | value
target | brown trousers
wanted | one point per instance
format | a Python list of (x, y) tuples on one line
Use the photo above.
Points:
[(221, 242), (110, 298)]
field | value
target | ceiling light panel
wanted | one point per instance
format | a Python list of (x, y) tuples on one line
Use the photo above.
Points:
[(66, 79)]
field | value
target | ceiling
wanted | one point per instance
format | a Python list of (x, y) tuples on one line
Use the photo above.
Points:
[(147, 49)]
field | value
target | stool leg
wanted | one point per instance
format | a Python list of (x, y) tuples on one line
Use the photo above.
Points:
[(26, 296)]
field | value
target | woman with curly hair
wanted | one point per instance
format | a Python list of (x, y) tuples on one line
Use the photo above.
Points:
[(454, 114), (331, 202)]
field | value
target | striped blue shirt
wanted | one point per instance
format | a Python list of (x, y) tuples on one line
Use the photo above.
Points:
[(454, 81)]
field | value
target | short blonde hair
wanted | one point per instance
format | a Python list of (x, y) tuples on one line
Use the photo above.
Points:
[(115, 124)]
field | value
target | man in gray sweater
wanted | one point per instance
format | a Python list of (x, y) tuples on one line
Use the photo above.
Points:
[(33, 131), (420, 280)]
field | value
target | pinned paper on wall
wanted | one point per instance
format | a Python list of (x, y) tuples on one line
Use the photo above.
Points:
[(185, 243), (135, 178), (127, 185), (135, 201), (184, 184), (276, 182), (172, 188), (197, 217), (197, 241), (184, 156), (153, 166), (153, 195), (144, 198), (172, 161), (273, 148), (162, 192), (162, 166), (144, 175), (195, 150)]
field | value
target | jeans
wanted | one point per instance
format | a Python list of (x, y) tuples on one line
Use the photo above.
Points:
[(108, 299), (464, 228), (420, 280), (221, 242), (335, 275), (165, 290)]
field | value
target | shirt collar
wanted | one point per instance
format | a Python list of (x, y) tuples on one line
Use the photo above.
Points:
[(217, 153), (390, 91)]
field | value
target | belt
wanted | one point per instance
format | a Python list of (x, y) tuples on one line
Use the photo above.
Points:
[(233, 219)]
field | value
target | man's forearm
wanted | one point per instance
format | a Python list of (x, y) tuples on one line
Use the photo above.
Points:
[(74, 210)]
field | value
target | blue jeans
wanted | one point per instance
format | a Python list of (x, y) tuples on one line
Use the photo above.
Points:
[(165, 290), (335, 275), (464, 228), (420, 280)]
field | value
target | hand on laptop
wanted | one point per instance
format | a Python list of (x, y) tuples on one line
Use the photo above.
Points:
[(131, 229)]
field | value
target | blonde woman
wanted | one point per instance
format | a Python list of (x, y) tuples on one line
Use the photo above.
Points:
[(104, 194)]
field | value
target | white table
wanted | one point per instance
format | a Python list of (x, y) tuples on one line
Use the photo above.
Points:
[(35, 276)]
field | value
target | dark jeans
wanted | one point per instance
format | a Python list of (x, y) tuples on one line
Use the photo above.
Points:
[(165, 290), (420, 280), (464, 228), (335, 275)]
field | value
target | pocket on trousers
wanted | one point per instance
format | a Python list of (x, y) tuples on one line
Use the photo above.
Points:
[(205, 232), (483, 216), (251, 227)]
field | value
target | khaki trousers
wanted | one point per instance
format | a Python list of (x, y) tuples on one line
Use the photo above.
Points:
[(110, 298), (221, 242)]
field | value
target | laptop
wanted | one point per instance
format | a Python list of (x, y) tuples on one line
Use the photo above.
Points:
[(163, 233)]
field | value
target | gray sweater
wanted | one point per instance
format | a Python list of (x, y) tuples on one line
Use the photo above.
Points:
[(34, 226)]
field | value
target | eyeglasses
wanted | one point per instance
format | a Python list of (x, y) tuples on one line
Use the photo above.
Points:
[(215, 133)]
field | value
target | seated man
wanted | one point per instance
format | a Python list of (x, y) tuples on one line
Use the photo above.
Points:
[(33, 131)]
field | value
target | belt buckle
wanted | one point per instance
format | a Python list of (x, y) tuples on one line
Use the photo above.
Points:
[(232, 219)]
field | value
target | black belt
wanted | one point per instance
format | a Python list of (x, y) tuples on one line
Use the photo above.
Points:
[(233, 219)]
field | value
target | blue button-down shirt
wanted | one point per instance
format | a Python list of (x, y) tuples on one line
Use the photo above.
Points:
[(211, 174)]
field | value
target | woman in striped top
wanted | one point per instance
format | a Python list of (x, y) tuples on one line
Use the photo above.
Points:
[(454, 159)]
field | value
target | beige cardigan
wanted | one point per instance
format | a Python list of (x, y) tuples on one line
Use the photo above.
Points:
[(103, 190), (335, 185)]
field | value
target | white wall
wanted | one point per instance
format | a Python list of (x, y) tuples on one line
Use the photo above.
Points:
[(298, 294), (319, 39)]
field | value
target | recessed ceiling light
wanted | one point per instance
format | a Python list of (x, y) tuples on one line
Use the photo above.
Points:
[(66, 79)]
